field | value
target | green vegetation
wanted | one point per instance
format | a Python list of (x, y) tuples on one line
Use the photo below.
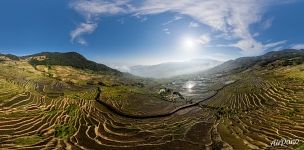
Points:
[(12, 57), (294, 72), (72, 59), (300, 146), (120, 92), (224, 112), (64, 131), (20, 113), (28, 140), (270, 60), (291, 113), (72, 110), (88, 95), (53, 112)]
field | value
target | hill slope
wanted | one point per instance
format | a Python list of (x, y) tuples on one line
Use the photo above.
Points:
[(8, 57), (72, 59), (270, 60), (243, 110)]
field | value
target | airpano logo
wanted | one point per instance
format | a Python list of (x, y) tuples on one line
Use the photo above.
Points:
[(284, 142)]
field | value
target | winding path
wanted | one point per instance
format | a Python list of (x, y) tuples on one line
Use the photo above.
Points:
[(123, 114)]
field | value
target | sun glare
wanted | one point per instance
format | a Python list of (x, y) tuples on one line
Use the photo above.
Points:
[(189, 84), (189, 47), (189, 43)]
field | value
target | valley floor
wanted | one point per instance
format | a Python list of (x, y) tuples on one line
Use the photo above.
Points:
[(41, 112)]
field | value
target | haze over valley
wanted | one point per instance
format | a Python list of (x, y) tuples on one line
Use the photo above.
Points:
[(169, 69), (151, 74)]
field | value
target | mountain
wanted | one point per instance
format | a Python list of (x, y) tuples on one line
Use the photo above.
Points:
[(8, 57), (271, 59), (62, 107), (72, 59), (170, 69)]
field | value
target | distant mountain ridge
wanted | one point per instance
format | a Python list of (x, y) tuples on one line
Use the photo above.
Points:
[(270, 59), (170, 69), (8, 56), (72, 59)]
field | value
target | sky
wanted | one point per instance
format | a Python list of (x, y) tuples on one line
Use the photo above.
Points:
[(143, 32)]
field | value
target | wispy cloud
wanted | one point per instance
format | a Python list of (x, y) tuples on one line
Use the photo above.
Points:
[(298, 46), (166, 30), (83, 28), (193, 25), (232, 18), (228, 16), (252, 47), (274, 44), (204, 39), (92, 10), (176, 18), (267, 23)]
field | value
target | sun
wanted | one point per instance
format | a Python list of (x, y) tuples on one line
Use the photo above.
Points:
[(189, 43), (189, 47)]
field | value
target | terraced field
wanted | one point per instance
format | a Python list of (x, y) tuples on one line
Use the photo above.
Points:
[(30, 120), (241, 111), (260, 108), (38, 112)]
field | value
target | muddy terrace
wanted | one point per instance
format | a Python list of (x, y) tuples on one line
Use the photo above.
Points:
[(40, 112)]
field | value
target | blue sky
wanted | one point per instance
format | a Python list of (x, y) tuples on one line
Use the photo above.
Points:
[(151, 31)]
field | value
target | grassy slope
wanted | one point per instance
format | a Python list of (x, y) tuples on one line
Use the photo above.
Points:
[(260, 102), (265, 104), (61, 121), (71, 59)]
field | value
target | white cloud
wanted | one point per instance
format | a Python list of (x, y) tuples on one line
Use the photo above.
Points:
[(249, 46), (252, 47), (193, 25), (228, 16), (274, 44), (267, 23), (92, 10), (220, 56), (204, 39), (298, 46), (256, 34), (120, 67), (176, 18), (232, 18), (166, 30), (83, 28)]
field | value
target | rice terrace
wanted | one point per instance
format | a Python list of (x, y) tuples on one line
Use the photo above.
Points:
[(233, 83)]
